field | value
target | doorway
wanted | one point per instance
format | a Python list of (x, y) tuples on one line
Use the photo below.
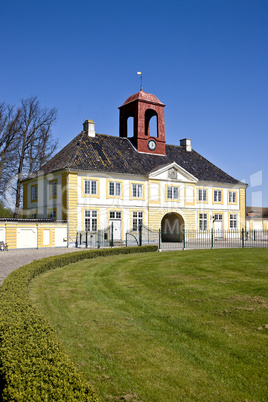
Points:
[(116, 222)]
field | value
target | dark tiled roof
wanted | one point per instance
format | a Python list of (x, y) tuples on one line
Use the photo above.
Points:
[(104, 153)]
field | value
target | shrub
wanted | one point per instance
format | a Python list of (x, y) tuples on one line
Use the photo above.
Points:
[(33, 365)]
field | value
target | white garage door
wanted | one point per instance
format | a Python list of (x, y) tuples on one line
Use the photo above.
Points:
[(26, 238), (2, 234), (60, 235)]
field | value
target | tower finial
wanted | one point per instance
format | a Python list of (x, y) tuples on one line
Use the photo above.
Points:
[(140, 73)]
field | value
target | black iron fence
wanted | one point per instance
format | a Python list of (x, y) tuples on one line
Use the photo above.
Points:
[(197, 239), (141, 235), (98, 239), (182, 240)]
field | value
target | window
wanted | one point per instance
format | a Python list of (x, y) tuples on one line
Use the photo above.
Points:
[(91, 221), (232, 197), (233, 221), (136, 219), (114, 189), (34, 193), (137, 190), (33, 215), (217, 196), (115, 215), (172, 193), (53, 189), (203, 221), (53, 214), (202, 195), (91, 187)]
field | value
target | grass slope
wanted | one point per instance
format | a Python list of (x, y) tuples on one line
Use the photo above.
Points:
[(176, 326)]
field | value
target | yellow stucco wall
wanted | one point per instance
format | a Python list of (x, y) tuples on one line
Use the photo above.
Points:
[(12, 229), (72, 201)]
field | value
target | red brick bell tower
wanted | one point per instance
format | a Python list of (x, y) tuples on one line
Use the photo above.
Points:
[(142, 106)]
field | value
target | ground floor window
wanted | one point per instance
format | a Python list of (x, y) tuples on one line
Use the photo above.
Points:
[(203, 221), (233, 221), (137, 218), (91, 220)]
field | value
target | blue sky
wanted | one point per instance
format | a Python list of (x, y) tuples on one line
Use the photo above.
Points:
[(207, 60)]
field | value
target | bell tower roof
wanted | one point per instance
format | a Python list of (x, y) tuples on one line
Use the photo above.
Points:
[(142, 107), (143, 96)]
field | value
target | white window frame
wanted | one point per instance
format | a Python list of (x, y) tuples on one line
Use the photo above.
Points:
[(232, 197), (172, 193), (233, 221), (115, 215), (90, 187), (217, 196), (114, 188), (53, 189), (34, 193), (137, 219), (91, 220), (202, 195), (203, 222), (53, 214), (137, 190)]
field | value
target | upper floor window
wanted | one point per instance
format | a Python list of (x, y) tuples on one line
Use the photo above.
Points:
[(53, 189), (202, 195), (114, 188), (137, 190), (34, 193), (53, 214), (217, 195), (232, 197), (172, 193), (90, 187)]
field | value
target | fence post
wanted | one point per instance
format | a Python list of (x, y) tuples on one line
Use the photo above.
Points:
[(254, 234), (212, 238), (159, 239), (140, 234), (183, 239), (243, 237), (126, 239), (98, 238), (86, 238), (112, 235)]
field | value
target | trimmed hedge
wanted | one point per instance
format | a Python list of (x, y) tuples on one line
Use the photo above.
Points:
[(33, 365)]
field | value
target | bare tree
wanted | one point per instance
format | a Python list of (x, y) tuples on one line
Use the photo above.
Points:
[(9, 129), (35, 143), (26, 143)]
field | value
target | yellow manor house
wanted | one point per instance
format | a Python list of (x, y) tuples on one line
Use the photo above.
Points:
[(98, 180)]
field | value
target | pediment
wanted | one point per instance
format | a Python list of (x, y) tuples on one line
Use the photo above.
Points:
[(173, 172)]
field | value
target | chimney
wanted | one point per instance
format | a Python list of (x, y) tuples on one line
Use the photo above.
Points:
[(89, 128), (186, 144)]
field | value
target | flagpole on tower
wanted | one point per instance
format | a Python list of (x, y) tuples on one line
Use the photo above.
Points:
[(140, 73)]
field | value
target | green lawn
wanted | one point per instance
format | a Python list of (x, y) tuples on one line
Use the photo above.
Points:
[(175, 326)]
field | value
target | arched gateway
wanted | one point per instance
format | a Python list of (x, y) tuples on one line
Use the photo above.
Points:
[(172, 225)]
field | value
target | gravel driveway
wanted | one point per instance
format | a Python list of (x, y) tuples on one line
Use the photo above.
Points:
[(13, 259)]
